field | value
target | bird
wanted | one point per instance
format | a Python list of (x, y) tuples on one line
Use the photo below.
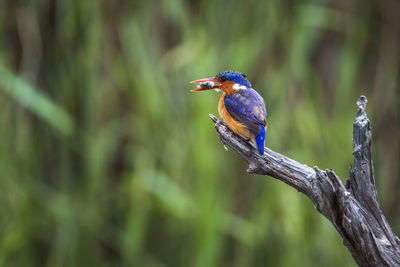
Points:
[(240, 106)]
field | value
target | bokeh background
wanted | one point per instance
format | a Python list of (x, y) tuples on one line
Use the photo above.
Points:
[(108, 159)]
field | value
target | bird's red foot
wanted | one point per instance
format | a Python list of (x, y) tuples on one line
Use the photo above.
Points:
[(231, 131), (248, 140)]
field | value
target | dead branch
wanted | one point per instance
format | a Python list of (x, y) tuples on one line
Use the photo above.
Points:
[(354, 211)]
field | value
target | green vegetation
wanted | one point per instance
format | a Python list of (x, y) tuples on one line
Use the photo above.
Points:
[(108, 159)]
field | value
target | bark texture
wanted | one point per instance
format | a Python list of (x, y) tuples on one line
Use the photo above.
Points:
[(353, 209)]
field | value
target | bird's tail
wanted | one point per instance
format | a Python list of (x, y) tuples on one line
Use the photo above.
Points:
[(260, 139)]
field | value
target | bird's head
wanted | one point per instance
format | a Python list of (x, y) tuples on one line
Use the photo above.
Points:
[(228, 81)]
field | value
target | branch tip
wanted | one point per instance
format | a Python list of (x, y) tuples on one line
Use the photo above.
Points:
[(362, 105), (213, 118)]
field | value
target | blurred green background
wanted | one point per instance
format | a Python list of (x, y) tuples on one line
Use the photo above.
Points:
[(108, 159)]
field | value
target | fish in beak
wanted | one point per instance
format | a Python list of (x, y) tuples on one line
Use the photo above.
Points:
[(206, 84)]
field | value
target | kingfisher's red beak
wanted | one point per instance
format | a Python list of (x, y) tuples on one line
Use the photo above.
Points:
[(211, 79)]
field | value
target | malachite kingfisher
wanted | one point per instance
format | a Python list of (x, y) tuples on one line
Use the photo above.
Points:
[(240, 106)]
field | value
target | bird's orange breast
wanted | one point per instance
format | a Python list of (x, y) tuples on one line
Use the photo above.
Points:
[(234, 125)]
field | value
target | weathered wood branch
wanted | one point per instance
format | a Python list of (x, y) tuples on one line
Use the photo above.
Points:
[(353, 210)]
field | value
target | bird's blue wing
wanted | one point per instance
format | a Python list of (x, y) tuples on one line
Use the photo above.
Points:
[(247, 107)]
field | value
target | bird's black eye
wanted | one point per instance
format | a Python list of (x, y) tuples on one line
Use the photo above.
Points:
[(222, 79)]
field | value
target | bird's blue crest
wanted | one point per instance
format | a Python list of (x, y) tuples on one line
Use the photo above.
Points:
[(235, 76)]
